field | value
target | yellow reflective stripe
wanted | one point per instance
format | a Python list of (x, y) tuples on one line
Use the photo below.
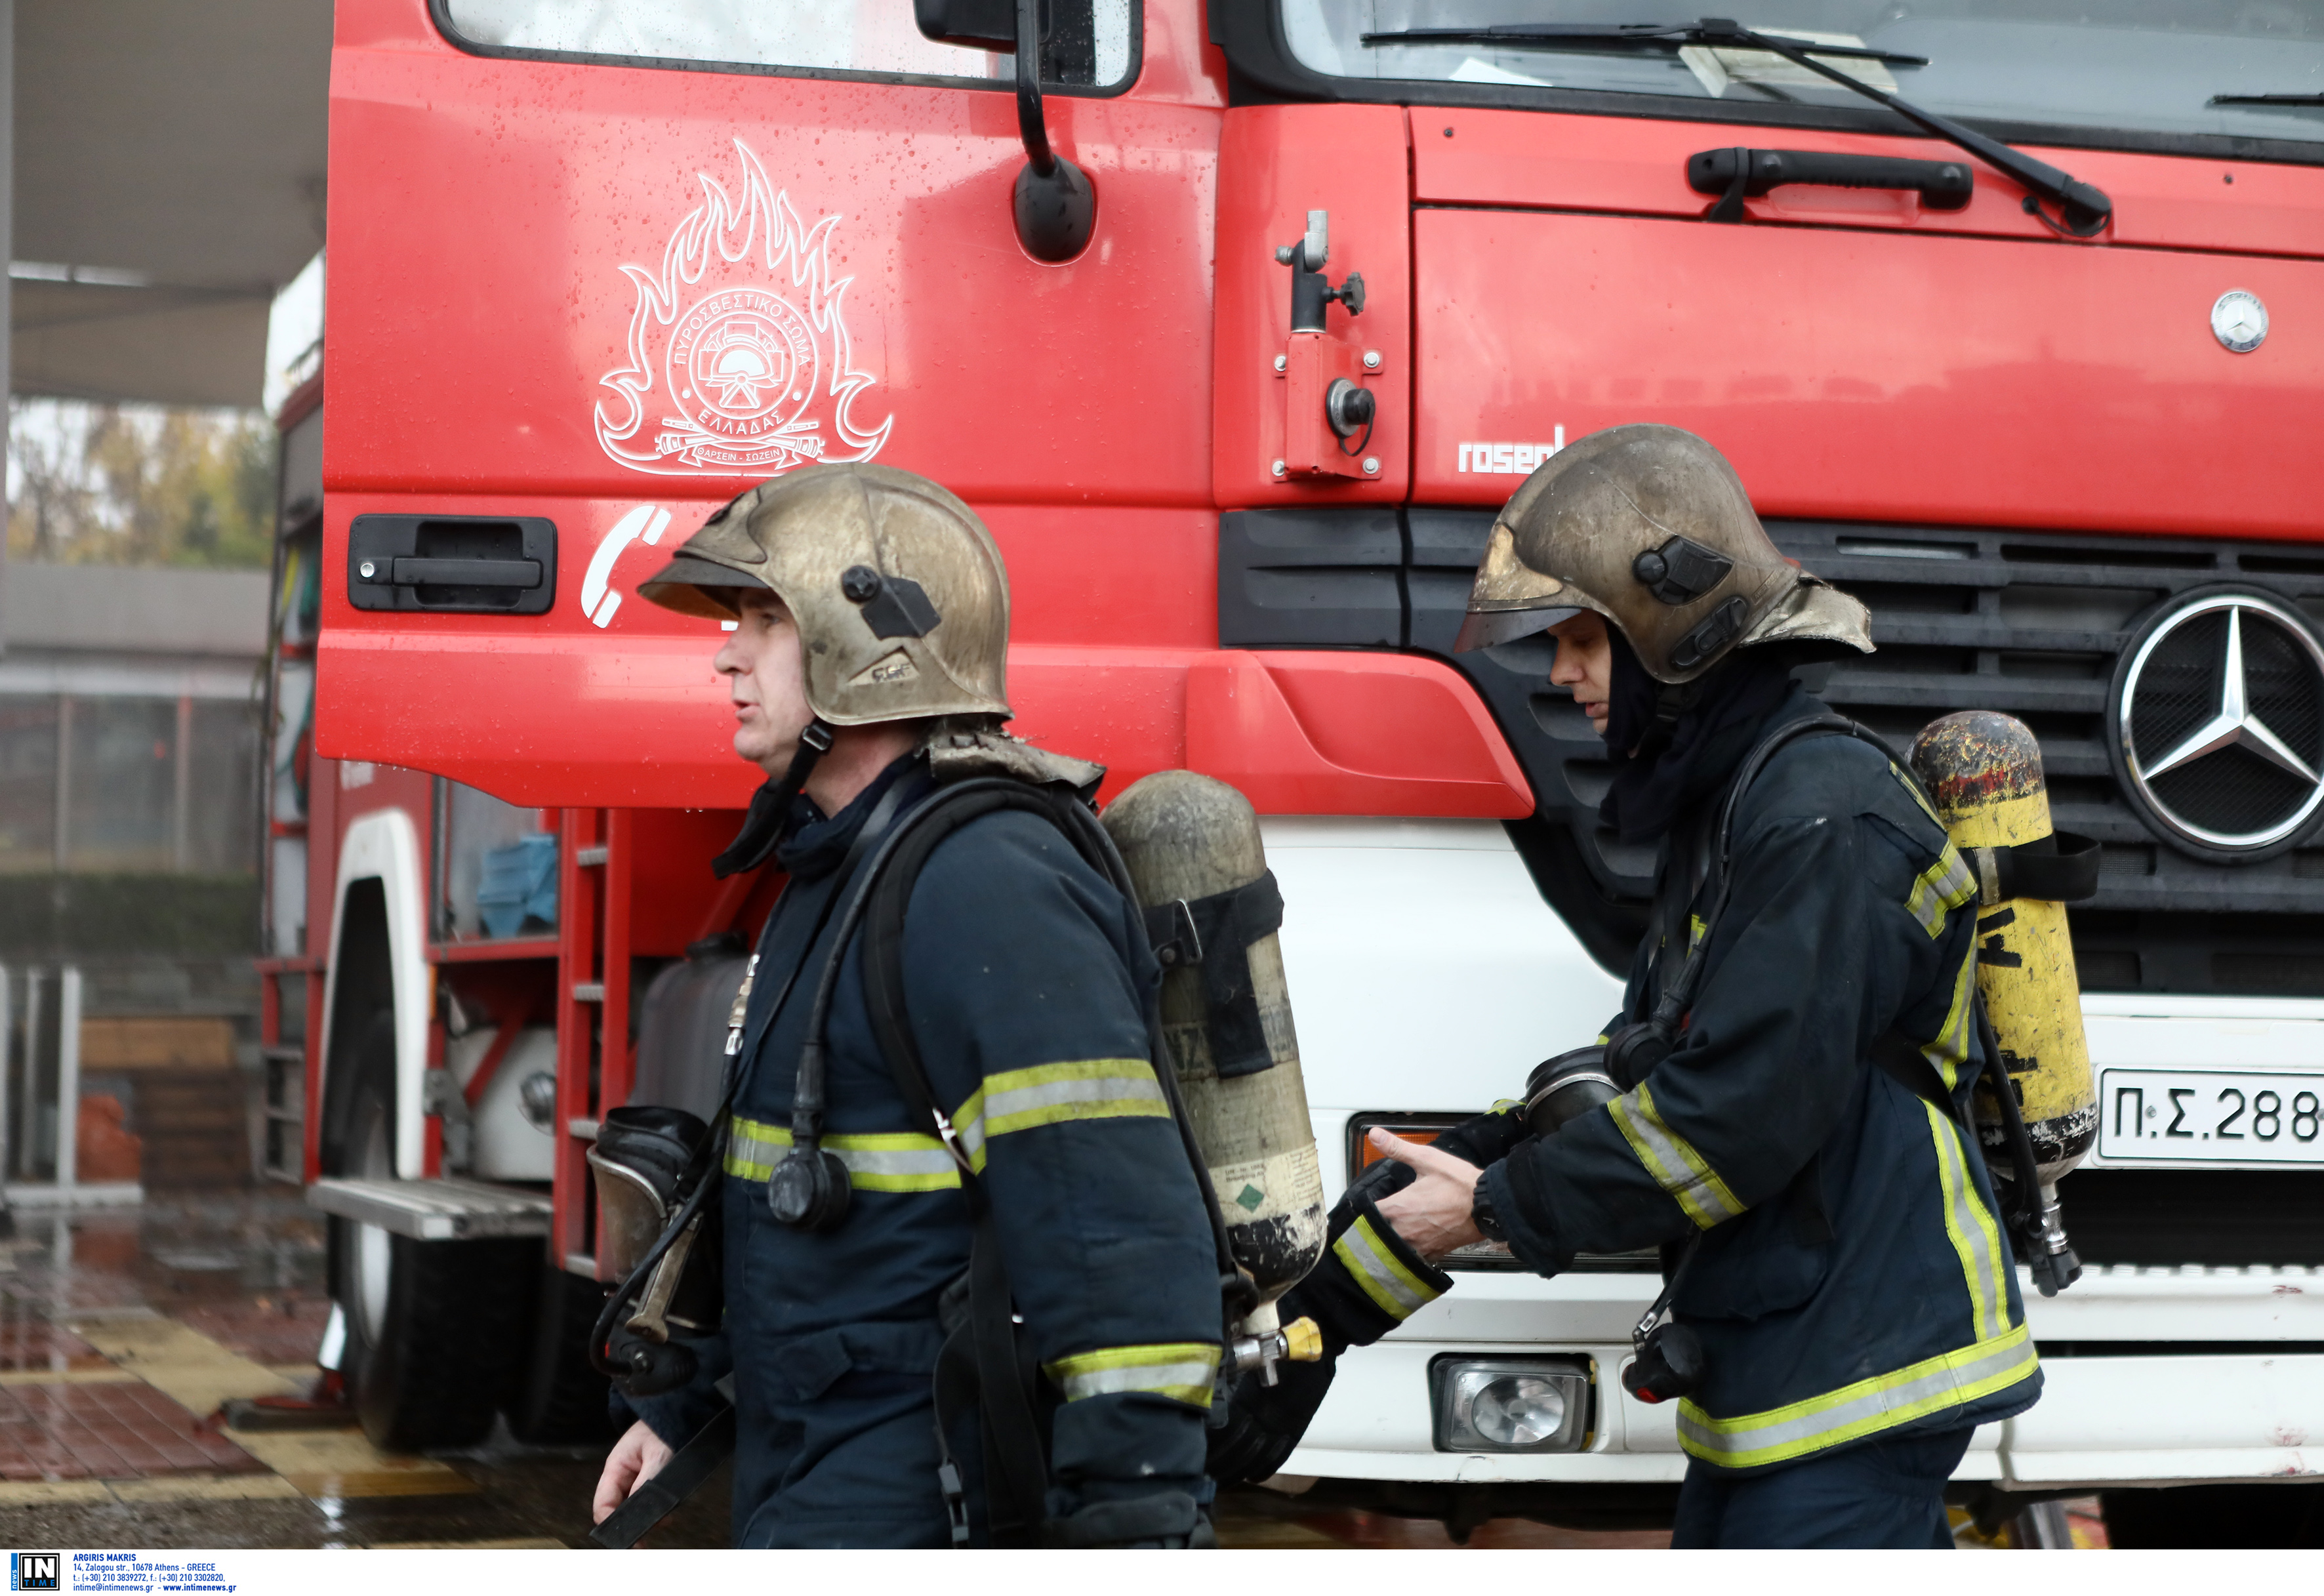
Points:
[(1972, 1229), (1948, 1050), (1398, 1292), (1051, 1093), (1014, 1100), (897, 1161), (1671, 1160), (1186, 1371), (753, 1149), (1864, 1408), (1937, 891), (1913, 791)]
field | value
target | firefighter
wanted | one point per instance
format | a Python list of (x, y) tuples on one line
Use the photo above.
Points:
[(1794, 1137), (870, 613)]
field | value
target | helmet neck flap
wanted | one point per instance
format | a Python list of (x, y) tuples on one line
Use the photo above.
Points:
[(770, 805)]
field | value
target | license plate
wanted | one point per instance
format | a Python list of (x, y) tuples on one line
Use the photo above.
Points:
[(2209, 1116)]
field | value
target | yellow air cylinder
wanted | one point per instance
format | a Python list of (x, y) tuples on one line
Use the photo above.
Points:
[(1188, 839), (1984, 772)]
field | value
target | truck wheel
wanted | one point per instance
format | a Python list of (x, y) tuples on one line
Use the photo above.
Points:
[(560, 1399), (434, 1328)]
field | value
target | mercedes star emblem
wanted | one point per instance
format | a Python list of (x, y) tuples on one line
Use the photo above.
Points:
[(2239, 321), (2218, 718)]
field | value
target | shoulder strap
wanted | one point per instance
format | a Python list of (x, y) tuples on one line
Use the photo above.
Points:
[(1017, 1459), (883, 972), (883, 935), (1679, 994), (1910, 1069)]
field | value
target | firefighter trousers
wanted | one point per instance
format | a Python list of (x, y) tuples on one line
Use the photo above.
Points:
[(1886, 1493)]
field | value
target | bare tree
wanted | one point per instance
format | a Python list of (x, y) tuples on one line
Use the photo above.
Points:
[(110, 485)]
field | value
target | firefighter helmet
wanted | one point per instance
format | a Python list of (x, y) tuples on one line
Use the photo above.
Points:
[(1650, 527), (897, 591)]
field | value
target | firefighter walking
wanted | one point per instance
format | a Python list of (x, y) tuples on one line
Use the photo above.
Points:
[(866, 670)]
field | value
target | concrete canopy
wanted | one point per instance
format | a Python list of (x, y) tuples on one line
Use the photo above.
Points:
[(169, 179)]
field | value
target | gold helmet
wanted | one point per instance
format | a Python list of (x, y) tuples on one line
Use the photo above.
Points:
[(897, 591), (1650, 527)]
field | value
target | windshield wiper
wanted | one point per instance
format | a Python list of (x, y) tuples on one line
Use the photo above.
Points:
[(2266, 99), (2084, 209), (1622, 38)]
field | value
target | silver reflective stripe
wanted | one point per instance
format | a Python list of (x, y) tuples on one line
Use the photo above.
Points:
[(1970, 1227), (1948, 1050), (1187, 1373), (1005, 1107), (753, 1149), (1863, 1409), (894, 1162), (1680, 1171), (1398, 1292)]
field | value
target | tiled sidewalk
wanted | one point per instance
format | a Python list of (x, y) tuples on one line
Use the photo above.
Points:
[(121, 1333), (121, 1429)]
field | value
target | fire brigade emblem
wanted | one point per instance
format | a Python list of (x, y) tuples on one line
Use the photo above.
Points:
[(739, 363)]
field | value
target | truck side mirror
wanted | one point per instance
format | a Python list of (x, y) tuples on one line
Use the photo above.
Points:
[(1056, 207)]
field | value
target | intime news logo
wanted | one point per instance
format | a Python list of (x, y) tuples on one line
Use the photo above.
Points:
[(35, 1570)]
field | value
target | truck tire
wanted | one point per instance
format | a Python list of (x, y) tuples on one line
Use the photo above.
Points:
[(561, 1399), (435, 1329)]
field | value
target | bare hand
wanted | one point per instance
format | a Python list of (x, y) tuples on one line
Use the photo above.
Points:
[(637, 1457), (1432, 1214)]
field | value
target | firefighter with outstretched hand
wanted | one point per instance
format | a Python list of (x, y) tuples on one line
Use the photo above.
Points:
[(870, 614), (1785, 1100)]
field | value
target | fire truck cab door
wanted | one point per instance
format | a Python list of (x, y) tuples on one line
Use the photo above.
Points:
[(599, 265)]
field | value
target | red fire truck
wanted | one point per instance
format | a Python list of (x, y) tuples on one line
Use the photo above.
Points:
[(2008, 334)]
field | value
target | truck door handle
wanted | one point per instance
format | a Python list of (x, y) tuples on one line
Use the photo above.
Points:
[(456, 573), (1735, 175), (454, 564)]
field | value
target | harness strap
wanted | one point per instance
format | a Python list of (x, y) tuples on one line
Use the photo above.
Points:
[(680, 1477)]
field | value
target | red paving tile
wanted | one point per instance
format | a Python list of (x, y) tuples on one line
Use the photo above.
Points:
[(127, 1431), (267, 1329), (35, 1343)]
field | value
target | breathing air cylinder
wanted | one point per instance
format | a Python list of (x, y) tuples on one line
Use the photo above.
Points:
[(1193, 848), (1982, 771)]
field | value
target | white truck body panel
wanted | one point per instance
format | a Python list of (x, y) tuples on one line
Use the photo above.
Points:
[(384, 845)]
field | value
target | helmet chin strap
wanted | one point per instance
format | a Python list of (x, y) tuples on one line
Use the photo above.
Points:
[(1672, 700), (770, 805)]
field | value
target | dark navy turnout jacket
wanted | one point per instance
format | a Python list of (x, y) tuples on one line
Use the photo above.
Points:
[(1029, 1015)]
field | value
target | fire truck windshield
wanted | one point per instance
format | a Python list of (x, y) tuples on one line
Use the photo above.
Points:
[(2150, 67), (1089, 44)]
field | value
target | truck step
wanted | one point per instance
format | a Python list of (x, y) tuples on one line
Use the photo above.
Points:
[(448, 1210)]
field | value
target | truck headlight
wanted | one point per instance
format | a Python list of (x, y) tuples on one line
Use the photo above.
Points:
[(1512, 1404)]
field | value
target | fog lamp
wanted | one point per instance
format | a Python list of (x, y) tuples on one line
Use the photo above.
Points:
[(1511, 1404)]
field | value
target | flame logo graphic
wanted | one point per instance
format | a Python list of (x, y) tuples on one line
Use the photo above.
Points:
[(742, 364)]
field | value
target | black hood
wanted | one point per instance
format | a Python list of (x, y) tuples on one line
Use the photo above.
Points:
[(1674, 746)]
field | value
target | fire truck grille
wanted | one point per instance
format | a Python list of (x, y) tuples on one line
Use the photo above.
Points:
[(2029, 624)]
